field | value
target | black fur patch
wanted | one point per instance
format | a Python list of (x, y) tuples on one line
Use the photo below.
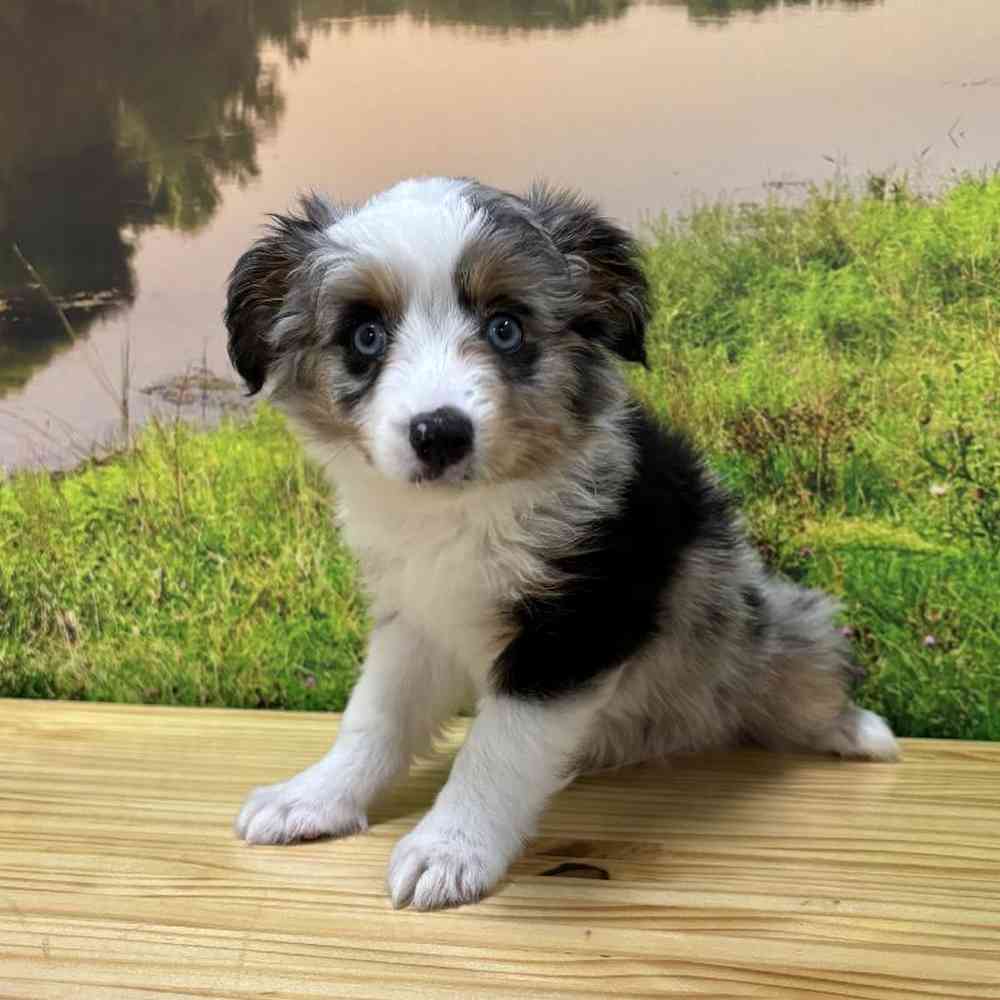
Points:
[(613, 605)]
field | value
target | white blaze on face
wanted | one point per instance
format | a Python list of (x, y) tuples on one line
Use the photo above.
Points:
[(419, 230), (426, 371)]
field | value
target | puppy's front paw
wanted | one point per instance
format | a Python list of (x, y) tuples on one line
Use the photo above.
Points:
[(434, 867), (298, 809)]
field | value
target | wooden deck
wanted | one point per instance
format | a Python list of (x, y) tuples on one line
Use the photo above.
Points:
[(738, 875)]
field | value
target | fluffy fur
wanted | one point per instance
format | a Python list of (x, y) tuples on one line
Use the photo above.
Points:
[(552, 556)]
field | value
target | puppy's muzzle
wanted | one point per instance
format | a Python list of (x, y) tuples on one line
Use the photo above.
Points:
[(440, 439)]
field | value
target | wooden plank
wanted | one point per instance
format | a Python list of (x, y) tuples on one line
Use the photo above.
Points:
[(729, 875)]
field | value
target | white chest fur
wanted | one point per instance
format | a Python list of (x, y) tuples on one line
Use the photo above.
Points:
[(448, 560), (427, 556)]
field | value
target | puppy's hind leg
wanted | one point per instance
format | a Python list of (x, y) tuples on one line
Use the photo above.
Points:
[(406, 690), (803, 701)]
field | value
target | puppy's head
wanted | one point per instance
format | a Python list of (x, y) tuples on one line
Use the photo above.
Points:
[(448, 331)]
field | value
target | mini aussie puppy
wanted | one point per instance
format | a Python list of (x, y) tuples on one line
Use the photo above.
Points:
[(533, 543)]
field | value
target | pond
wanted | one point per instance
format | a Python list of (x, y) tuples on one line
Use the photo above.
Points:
[(142, 144)]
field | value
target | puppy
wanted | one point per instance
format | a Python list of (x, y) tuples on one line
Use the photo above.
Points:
[(532, 542)]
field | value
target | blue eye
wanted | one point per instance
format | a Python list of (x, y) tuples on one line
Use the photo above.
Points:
[(505, 333), (370, 340)]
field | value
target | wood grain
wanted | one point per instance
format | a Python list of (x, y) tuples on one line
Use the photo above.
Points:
[(729, 875)]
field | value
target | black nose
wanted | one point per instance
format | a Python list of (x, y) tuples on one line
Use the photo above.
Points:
[(441, 438)]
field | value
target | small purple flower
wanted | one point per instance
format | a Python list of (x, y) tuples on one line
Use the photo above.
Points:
[(310, 681), (847, 632), (929, 641), (806, 552)]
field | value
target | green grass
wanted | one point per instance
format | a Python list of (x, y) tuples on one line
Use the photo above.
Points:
[(199, 569), (839, 361)]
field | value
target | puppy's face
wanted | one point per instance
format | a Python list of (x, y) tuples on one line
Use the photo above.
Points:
[(449, 332)]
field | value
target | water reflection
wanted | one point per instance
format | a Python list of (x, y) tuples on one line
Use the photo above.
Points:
[(117, 118), (491, 15), (720, 11), (132, 115), (126, 116)]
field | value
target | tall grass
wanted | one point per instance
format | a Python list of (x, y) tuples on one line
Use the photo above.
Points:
[(840, 363), (199, 568), (838, 360)]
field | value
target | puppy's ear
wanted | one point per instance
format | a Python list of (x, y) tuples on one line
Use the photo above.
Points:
[(614, 292), (260, 281)]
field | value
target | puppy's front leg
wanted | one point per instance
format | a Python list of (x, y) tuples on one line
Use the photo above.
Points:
[(519, 752), (405, 692)]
